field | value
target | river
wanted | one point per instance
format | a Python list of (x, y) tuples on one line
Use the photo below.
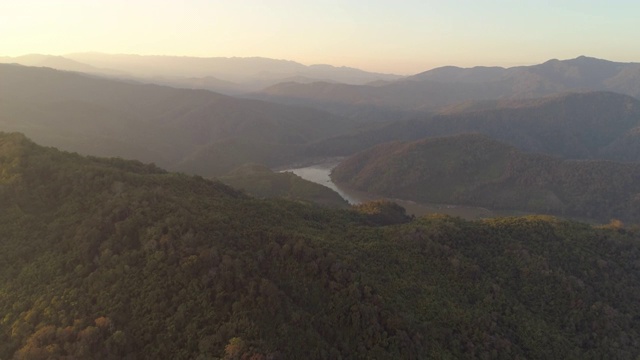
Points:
[(319, 173)]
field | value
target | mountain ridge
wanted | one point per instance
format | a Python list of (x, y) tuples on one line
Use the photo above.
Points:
[(438, 88), (589, 125), (151, 123), (260, 181), (471, 169), (227, 75)]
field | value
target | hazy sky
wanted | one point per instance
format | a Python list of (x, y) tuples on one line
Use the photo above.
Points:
[(401, 36)]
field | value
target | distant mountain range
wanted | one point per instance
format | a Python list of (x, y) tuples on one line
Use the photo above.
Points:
[(363, 96), (151, 123), (592, 125), (436, 89), (202, 132), (225, 75), (475, 170), (59, 63), (331, 86)]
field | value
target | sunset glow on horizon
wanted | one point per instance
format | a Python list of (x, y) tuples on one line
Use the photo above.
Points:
[(385, 36)]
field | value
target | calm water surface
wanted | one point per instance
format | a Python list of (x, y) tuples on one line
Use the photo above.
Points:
[(319, 174)]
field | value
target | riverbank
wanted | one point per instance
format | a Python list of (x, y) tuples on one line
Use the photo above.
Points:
[(319, 172)]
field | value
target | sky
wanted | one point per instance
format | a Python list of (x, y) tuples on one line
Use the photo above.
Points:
[(400, 36)]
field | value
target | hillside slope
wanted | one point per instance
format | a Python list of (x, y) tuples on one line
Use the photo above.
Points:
[(150, 123), (474, 170), (594, 125), (439, 88), (114, 259), (261, 182)]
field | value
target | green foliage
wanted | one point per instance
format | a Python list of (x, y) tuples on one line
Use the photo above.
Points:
[(382, 212), (261, 182), (474, 170), (109, 259)]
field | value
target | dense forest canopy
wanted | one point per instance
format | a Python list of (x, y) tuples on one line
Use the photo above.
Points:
[(112, 259), (473, 169), (261, 182)]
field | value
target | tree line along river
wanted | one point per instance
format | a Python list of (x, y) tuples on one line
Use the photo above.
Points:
[(320, 173)]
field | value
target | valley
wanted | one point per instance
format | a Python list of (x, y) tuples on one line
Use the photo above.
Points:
[(472, 169), (252, 208), (320, 173), (208, 134)]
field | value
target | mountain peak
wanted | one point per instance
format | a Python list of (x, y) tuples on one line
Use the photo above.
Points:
[(588, 59)]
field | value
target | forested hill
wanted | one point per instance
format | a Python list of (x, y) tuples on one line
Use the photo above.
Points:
[(102, 117), (114, 259), (262, 182), (593, 125), (475, 170)]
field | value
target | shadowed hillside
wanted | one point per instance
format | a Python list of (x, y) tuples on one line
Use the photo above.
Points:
[(151, 123), (260, 181), (596, 125), (474, 170)]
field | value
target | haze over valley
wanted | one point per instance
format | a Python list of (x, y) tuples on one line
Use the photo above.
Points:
[(326, 180)]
